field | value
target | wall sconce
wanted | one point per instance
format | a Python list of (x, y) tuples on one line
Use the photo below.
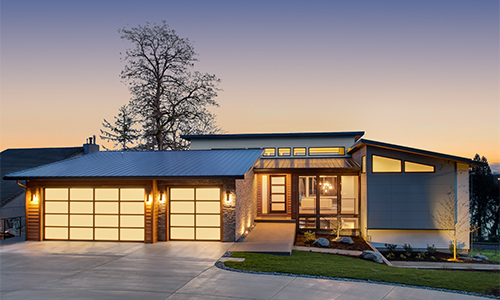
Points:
[(229, 199), (148, 199), (34, 198), (162, 197)]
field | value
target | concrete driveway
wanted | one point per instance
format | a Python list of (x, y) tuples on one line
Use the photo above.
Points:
[(164, 270)]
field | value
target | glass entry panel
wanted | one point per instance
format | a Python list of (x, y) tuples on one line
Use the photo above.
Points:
[(277, 199), (307, 195), (328, 194)]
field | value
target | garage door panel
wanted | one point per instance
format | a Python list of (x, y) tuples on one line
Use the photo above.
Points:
[(132, 221), (129, 234), (208, 220), (212, 194), (106, 207), (179, 233), (81, 207), (56, 207), (106, 234), (56, 220), (207, 233), (182, 194), (132, 194), (81, 194), (106, 194), (177, 207), (181, 220), (81, 220), (208, 207), (56, 194), (81, 233), (55, 233), (106, 221), (132, 208)]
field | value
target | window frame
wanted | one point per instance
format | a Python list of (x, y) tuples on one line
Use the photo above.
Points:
[(304, 154), (387, 172), (289, 151), (341, 151), (269, 155), (417, 172)]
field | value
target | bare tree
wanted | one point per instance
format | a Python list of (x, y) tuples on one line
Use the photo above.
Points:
[(453, 217), (169, 97), (122, 133)]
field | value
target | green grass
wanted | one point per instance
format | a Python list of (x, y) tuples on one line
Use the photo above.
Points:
[(309, 263), (490, 254)]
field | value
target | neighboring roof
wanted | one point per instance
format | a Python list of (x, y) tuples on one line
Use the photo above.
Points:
[(148, 165), (357, 134), (14, 160), (364, 142), (308, 163)]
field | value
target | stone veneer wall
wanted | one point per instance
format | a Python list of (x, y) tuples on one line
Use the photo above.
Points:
[(246, 204), (228, 211)]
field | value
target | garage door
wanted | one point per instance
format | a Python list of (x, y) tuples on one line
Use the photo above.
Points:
[(94, 214), (195, 214)]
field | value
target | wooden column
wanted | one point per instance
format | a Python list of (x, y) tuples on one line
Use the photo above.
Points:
[(34, 225), (151, 214)]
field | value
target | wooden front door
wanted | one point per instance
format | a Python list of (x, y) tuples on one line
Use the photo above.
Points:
[(277, 199)]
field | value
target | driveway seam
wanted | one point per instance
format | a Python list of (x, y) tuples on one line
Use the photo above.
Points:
[(282, 288)]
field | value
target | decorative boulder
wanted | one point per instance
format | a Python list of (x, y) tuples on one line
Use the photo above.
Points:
[(345, 240), (373, 256), (322, 242), (480, 257)]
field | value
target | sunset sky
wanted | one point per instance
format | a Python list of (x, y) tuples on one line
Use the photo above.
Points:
[(422, 74)]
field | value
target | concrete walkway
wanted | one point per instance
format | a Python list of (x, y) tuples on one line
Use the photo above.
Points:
[(274, 238), (164, 270)]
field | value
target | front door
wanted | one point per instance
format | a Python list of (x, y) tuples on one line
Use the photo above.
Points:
[(277, 199)]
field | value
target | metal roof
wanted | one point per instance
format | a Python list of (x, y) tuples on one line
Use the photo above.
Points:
[(275, 135), (364, 142), (307, 163), (148, 165), (15, 160)]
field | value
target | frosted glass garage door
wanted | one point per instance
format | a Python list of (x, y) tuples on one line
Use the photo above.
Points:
[(195, 214), (94, 214)]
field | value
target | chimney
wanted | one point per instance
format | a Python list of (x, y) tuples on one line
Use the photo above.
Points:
[(90, 146)]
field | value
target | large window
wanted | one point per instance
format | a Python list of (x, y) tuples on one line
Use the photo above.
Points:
[(381, 164), (412, 167), (319, 151), (328, 194), (284, 151), (269, 152), (299, 151), (307, 194)]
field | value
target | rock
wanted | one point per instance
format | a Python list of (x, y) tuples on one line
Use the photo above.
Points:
[(373, 256), (322, 242), (480, 257), (345, 240)]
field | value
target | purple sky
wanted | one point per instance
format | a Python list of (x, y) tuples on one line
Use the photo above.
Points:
[(423, 74)]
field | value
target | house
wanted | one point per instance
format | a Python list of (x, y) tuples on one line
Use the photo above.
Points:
[(218, 189), (12, 196)]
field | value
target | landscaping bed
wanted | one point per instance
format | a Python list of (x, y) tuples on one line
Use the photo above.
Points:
[(436, 257), (359, 243)]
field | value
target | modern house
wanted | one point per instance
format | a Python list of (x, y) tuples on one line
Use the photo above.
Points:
[(218, 189)]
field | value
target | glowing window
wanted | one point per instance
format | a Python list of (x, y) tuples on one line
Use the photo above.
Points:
[(382, 164), (179, 233), (412, 167), (299, 151), (132, 208), (56, 220), (207, 233), (55, 207), (81, 207), (326, 151), (106, 207), (363, 164), (178, 207), (182, 194), (81, 220), (208, 220), (131, 221), (56, 233), (208, 207), (284, 151), (269, 152), (182, 220), (81, 233), (106, 221), (128, 234), (208, 194)]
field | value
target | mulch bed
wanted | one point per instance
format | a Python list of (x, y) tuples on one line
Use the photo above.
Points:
[(439, 257), (359, 243)]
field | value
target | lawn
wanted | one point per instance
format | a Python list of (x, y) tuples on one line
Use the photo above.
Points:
[(347, 267), (490, 254)]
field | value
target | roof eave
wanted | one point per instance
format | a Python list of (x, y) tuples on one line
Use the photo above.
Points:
[(126, 177)]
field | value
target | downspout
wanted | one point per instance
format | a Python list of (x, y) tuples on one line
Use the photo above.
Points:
[(21, 184)]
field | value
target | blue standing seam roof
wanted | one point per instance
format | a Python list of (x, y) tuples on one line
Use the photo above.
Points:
[(148, 164)]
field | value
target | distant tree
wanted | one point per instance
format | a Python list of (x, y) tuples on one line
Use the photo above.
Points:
[(122, 133), (453, 217), (170, 99), (484, 201)]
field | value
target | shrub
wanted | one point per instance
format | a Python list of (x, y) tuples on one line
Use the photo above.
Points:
[(391, 247), (420, 256), (390, 256), (309, 237), (431, 249), (408, 249), (433, 258), (402, 256)]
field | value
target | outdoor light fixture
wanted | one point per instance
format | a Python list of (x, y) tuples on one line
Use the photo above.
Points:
[(228, 197), (162, 197), (148, 200), (34, 198)]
